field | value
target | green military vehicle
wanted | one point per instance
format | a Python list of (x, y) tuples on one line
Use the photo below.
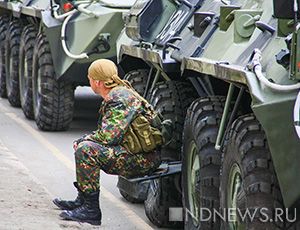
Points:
[(46, 48), (145, 21), (254, 55), (152, 65), (241, 59)]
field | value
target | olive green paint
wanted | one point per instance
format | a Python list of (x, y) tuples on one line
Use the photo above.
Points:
[(295, 55), (82, 35), (244, 24), (275, 112), (285, 27), (226, 56), (227, 16), (144, 54)]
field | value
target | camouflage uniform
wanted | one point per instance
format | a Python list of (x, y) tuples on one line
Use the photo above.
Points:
[(102, 149)]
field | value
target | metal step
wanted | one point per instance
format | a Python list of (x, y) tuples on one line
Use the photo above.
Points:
[(165, 169), (138, 187)]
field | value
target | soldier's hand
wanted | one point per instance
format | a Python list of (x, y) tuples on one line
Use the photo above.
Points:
[(75, 145), (77, 142)]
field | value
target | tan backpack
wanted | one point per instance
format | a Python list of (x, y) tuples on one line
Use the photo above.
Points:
[(143, 135)]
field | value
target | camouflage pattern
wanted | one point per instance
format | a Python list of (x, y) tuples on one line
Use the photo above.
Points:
[(90, 157), (102, 149), (115, 115)]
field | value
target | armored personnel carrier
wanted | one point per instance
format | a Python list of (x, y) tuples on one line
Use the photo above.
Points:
[(242, 62), (254, 55), (46, 47), (161, 42)]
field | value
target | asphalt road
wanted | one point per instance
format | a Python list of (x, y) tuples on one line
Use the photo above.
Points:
[(49, 157)]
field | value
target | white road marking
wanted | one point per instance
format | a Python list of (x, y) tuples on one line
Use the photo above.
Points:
[(131, 215)]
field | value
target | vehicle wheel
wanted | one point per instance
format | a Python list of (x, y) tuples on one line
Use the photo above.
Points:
[(28, 39), (138, 79), (130, 198), (4, 22), (248, 179), (53, 100), (12, 45), (162, 195), (172, 100), (201, 162)]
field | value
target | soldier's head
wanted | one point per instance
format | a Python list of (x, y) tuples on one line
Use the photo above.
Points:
[(103, 76)]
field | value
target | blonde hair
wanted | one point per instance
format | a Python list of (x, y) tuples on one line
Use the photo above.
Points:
[(107, 71)]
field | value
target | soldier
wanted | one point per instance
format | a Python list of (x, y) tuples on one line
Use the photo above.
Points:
[(104, 148)]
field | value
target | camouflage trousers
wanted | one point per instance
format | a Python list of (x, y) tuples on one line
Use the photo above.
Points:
[(91, 157)]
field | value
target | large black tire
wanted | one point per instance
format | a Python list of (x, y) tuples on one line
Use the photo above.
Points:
[(4, 22), (138, 80), (28, 39), (201, 162), (12, 45), (248, 179), (53, 100), (162, 196), (172, 100)]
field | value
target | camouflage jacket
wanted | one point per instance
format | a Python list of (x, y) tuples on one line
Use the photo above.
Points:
[(115, 115)]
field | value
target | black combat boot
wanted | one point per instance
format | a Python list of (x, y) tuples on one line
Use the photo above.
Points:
[(70, 204), (89, 212)]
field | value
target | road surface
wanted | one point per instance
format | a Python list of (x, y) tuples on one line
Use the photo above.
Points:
[(48, 158)]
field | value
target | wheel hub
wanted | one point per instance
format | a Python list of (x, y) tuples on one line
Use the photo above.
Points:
[(25, 74), (194, 184), (8, 74), (23, 78), (234, 189), (37, 92), (1, 62)]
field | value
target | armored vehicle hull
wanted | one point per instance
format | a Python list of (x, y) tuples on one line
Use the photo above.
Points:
[(258, 134), (46, 50), (242, 63)]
